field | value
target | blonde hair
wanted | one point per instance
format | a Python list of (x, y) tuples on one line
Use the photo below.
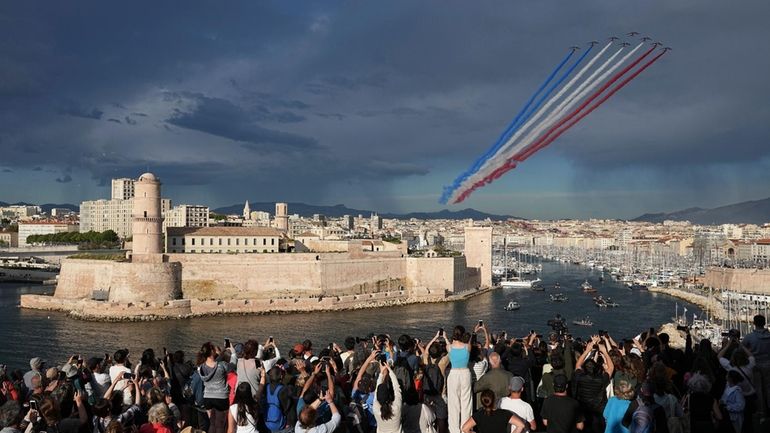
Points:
[(159, 414)]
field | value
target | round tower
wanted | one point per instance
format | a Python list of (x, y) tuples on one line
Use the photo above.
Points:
[(147, 219), (282, 217)]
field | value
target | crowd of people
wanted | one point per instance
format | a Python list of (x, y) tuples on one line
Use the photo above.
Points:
[(459, 381)]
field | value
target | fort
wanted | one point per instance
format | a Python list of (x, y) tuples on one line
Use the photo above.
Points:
[(154, 284)]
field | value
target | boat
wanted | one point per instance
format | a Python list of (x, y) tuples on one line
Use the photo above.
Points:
[(27, 269), (587, 287), (559, 297), (602, 302), (586, 321), (557, 286), (536, 286), (512, 306), (517, 283)]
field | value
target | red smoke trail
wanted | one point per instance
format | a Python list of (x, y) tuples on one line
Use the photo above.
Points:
[(545, 140)]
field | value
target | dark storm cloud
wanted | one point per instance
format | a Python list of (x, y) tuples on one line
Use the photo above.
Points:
[(223, 118), (362, 90)]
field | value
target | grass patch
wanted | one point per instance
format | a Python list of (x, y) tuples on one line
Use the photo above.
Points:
[(115, 257)]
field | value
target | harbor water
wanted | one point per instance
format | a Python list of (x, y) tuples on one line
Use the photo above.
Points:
[(55, 337)]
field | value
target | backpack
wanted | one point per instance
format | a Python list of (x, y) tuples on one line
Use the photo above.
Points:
[(643, 419), (432, 380), (403, 373), (275, 419)]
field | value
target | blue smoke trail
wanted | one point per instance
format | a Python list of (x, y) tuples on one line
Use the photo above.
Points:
[(519, 120)]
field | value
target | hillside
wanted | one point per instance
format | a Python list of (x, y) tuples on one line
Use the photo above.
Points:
[(747, 212)]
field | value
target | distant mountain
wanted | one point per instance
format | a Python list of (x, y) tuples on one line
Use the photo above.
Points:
[(46, 207), (339, 210), (747, 212)]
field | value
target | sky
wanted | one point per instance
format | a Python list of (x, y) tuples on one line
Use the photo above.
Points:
[(377, 105)]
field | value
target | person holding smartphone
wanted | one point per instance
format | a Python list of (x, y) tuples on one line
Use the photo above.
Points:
[(213, 368), (458, 383), (307, 417), (387, 404)]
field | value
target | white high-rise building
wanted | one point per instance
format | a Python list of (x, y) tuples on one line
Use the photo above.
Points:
[(122, 189), (186, 215)]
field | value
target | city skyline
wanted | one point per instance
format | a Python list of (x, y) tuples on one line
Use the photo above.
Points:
[(376, 106)]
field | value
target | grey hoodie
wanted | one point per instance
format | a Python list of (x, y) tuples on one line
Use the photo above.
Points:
[(215, 379), (758, 342)]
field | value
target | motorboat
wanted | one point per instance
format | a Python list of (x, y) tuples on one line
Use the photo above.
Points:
[(559, 297), (586, 321), (512, 306), (587, 287), (517, 283)]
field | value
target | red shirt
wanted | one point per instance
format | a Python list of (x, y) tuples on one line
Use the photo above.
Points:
[(154, 428)]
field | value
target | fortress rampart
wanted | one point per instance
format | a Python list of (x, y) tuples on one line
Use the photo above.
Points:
[(739, 280)]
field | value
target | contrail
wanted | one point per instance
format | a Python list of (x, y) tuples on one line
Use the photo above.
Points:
[(567, 123), (562, 108), (511, 127)]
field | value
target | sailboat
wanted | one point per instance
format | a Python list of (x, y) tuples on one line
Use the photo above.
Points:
[(512, 306)]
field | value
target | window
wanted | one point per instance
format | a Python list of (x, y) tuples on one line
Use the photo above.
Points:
[(220, 241), (211, 241), (237, 241), (255, 242), (272, 241), (193, 241), (173, 241), (183, 241), (264, 241), (228, 244), (145, 214)]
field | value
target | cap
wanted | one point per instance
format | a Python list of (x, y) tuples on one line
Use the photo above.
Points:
[(36, 363), (560, 382), (516, 384), (70, 370)]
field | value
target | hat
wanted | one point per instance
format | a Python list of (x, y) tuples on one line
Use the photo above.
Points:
[(52, 373), (560, 383), (36, 363), (516, 384), (70, 370), (299, 349)]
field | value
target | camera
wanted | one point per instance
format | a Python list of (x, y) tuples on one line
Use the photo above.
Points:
[(33, 405), (128, 376), (683, 328)]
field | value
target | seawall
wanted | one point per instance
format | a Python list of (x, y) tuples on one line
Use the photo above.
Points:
[(710, 304), (755, 281), (108, 311)]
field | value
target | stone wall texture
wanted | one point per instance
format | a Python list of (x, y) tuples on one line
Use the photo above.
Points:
[(739, 280)]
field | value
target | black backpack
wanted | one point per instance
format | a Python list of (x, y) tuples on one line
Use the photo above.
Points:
[(432, 380), (403, 373)]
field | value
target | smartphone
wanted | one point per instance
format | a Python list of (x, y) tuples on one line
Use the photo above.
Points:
[(441, 332), (165, 352), (270, 339), (227, 342), (481, 323), (129, 376), (33, 405)]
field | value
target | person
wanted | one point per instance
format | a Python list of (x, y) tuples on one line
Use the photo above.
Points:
[(742, 362), (121, 363), (516, 405), (387, 405), (213, 371), (278, 401), (306, 423), (702, 407), (243, 415), (347, 355), (491, 420), (591, 381), (459, 380), (100, 379), (758, 342), (561, 413), (644, 415), (617, 406), (159, 419), (10, 417), (248, 365), (496, 379), (37, 366), (434, 387), (49, 416), (8, 390), (109, 409), (733, 400)]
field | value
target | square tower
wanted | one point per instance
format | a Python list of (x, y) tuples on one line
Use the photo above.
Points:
[(478, 252)]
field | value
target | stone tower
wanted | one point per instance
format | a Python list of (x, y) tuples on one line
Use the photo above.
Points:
[(246, 211), (147, 219), (478, 252), (282, 217)]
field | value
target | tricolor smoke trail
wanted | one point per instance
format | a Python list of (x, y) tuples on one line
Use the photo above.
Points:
[(525, 136), (564, 124), (515, 123)]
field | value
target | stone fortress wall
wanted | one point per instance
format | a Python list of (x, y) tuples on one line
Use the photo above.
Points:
[(754, 281), (157, 285)]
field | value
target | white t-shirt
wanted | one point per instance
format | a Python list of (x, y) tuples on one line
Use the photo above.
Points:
[(519, 407), (122, 384), (249, 427)]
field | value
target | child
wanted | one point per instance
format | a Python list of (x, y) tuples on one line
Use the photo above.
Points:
[(732, 399)]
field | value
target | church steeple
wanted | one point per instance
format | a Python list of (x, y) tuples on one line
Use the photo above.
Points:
[(246, 211)]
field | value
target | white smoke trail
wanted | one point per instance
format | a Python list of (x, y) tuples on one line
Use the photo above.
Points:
[(569, 102)]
